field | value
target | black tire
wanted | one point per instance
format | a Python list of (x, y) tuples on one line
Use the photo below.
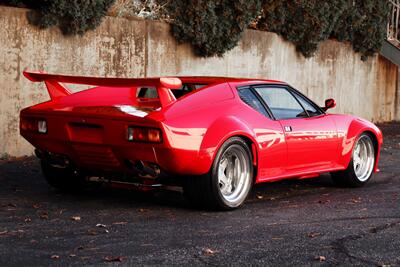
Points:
[(64, 179), (204, 191), (348, 177)]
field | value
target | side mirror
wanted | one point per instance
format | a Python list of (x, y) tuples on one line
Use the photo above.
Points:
[(329, 103)]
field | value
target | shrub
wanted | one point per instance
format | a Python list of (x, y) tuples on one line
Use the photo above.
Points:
[(212, 27), (363, 23), (306, 23), (72, 16)]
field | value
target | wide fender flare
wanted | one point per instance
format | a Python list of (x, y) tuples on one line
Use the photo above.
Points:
[(221, 130), (355, 129)]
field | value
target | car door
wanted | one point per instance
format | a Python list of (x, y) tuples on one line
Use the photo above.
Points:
[(272, 152), (310, 134)]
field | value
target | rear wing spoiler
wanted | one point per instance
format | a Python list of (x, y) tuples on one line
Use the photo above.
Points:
[(57, 90)]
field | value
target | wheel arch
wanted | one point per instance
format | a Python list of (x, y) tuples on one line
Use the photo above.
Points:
[(216, 136), (355, 129)]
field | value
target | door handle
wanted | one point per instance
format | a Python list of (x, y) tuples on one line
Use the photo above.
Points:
[(288, 128)]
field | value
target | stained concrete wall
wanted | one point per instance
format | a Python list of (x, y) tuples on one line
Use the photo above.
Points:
[(126, 48)]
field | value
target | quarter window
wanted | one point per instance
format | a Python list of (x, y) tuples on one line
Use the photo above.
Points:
[(250, 99), (281, 102)]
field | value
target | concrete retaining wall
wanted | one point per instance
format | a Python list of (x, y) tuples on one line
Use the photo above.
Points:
[(126, 48)]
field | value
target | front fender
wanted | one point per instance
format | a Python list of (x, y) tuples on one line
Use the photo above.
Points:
[(355, 128)]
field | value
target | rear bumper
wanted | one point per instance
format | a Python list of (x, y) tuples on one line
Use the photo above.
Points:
[(105, 148), (120, 158)]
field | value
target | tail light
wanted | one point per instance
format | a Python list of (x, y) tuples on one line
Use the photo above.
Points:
[(33, 125), (141, 134)]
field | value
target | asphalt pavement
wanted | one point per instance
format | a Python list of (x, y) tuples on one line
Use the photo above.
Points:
[(308, 222)]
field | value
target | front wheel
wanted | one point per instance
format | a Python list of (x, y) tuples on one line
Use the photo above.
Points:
[(361, 164), (229, 181)]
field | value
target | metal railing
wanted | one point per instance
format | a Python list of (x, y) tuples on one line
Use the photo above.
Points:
[(393, 28)]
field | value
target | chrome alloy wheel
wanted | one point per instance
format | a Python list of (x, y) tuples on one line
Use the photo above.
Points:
[(234, 179), (363, 158)]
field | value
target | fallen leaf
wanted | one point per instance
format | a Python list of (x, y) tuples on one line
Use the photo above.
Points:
[(44, 215), (75, 218), (72, 255), (259, 196), (100, 225), (3, 232), (356, 200), (312, 235), (105, 230), (320, 258), (112, 258), (143, 210), (277, 238), (92, 232), (55, 257), (36, 206), (385, 265), (119, 223), (208, 252)]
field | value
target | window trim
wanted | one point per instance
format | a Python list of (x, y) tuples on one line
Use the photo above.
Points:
[(289, 89), (259, 98)]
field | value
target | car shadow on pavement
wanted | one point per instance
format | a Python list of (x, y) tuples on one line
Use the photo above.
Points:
[(24, 176)]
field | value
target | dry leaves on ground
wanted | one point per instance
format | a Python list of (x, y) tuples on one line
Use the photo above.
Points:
[(320, 258), (113, 259), (76, 218), (208, 252), (312, 235), (44, 215), (119, 223)]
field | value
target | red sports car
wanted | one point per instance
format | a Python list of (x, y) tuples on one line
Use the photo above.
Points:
[(213, 136)]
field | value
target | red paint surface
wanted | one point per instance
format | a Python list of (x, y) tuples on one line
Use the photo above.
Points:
[(90, 128)]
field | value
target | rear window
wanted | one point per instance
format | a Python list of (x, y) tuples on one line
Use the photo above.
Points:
[(147, 92), (151, 92)]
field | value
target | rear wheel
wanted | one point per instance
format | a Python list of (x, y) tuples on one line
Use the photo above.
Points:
[(64, 179), (361, 164), (229, 181)]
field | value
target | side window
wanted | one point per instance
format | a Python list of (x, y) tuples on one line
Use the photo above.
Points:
[(250, 99), (281, 102), (309, 107)]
